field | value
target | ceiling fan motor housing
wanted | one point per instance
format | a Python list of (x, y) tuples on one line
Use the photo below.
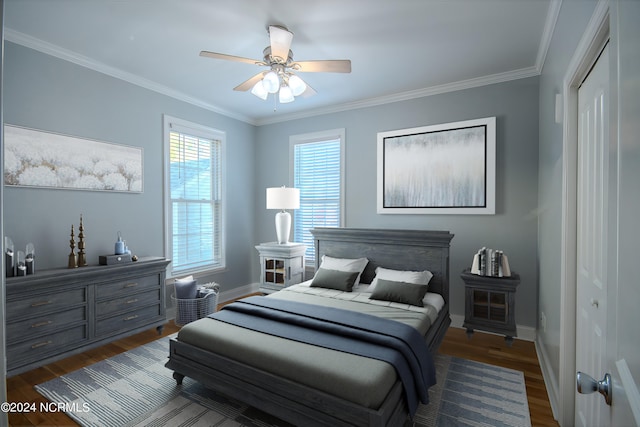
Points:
[(270, 60)]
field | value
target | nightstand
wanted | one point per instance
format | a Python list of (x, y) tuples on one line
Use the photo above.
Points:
[(281, 265), (490, 304)]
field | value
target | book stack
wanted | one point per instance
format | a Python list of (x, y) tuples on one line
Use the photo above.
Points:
[(490, 262)]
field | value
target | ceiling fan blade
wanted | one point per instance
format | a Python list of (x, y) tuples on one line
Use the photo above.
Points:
[(323, 66), (309, 91), (215, 55), (249, 84), (280, 42)]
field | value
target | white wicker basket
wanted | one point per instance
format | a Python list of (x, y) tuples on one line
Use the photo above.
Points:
[(189, 310)]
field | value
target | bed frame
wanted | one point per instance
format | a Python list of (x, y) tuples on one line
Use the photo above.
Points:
[(302, 405)]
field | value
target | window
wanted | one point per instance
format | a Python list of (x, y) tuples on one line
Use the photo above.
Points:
[(193, 196), (317, 169)]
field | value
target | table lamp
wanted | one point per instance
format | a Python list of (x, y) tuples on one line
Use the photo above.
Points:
[(283, 198)]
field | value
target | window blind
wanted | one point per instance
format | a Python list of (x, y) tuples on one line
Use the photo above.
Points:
[(196, 204), (317, 170)]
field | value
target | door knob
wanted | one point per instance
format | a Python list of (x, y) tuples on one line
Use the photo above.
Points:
[(587, 385)]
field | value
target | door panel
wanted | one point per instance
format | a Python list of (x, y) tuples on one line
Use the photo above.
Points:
[(592, 223), (623, 334)]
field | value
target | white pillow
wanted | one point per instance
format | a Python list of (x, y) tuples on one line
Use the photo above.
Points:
[(345, 264), (417, 277)]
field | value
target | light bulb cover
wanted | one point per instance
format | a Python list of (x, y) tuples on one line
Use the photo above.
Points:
[(285, 94), (297, 85), (259, 91), (271, 82)]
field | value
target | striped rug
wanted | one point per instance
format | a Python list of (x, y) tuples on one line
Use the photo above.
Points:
[(135, 389), (470, 393)]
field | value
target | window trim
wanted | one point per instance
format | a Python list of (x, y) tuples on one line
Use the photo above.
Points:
[(177, 124), (307, 138)]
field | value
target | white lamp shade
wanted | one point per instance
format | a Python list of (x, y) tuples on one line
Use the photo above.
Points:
[(271, 82), (285, 94), (283, 198), (259, 91)]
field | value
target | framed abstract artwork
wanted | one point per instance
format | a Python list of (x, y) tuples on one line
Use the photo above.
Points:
[(440, 169), (34, 158)]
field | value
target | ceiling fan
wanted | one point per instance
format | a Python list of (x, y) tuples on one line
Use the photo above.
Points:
[(280, 77)]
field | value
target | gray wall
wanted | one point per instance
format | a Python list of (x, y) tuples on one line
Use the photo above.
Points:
[(46, 93), (572, 22), (514, 226)]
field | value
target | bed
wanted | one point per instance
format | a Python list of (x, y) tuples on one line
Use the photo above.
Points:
[(308, 385)]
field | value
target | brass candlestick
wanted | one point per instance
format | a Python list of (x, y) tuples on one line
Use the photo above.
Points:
[(72, 255), (82, 259)]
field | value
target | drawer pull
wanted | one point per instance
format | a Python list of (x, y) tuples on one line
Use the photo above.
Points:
[(135, 316), (40, 303), (131, 301), (131, 285), (41, 344), (39, 324)]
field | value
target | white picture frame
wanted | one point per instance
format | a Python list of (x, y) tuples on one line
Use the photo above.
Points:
[(447, 169)]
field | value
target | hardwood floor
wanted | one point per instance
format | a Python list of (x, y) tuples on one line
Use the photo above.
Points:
[(20, 388), (521, 356), (481, 347)]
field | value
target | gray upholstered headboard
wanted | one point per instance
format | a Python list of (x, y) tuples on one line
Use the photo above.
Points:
[(396, 249)]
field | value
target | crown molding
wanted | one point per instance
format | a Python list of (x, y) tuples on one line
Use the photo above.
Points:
[(58, 52), (405, 96), (536, 70), (83, 61), (547, 33)]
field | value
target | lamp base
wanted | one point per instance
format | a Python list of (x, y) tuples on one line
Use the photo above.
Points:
[(283, 227)]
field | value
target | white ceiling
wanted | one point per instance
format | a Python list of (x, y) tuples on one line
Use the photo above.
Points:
[(399, 49)]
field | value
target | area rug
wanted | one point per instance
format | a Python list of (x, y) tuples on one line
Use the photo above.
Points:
[(135, 389)]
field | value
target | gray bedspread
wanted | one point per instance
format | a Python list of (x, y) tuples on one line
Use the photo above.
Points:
[(344, 330), (358, 379)]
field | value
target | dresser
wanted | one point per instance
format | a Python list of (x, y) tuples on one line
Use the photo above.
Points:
[(281, 265), (59, 312)]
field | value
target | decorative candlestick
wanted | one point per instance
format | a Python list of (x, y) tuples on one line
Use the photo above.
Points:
[(29, 259), (9, 257), (21, 268), (82, 259), (72, 255)]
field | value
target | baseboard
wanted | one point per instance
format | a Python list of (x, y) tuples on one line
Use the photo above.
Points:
[(553, 391), (224, 296), (240, 292), (526, 333)]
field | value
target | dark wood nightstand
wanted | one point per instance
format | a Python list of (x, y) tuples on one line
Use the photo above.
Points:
[(490, 304)]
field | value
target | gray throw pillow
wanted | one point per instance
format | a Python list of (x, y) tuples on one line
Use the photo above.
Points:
[(186, 288), (334, 279), (403, 292)]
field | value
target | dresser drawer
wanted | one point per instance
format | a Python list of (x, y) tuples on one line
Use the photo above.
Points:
[(125, 287), (45, 303), (33, 327), (126, 303), (129, 320), (37, 348)]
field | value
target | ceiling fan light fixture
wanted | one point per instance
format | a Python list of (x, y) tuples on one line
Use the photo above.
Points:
[(259, 91), (271, 82), (285, 95), (279, 78), (297, 85)]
